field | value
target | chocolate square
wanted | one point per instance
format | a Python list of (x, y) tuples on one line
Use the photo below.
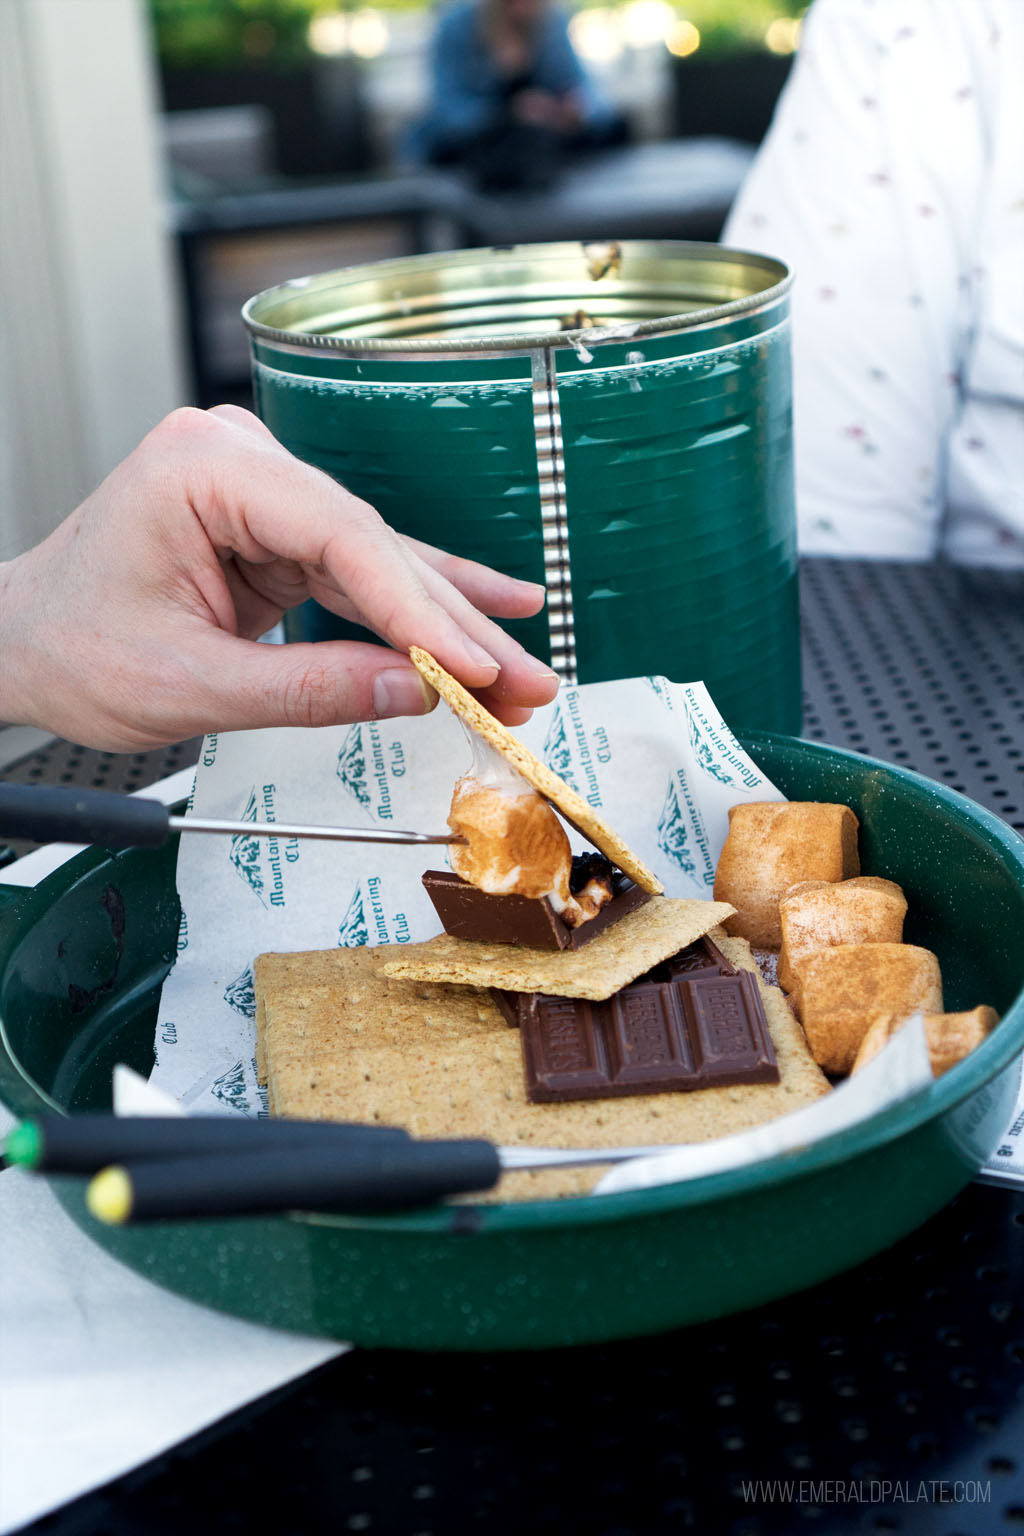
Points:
[(699, 959), (468, 913), (698, 1031), (729, 1031)]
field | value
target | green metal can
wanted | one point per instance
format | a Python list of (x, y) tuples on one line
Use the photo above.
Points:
[(612, 420)]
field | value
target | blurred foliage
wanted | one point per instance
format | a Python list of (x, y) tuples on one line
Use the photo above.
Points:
[(219, 32), (225, 32), (730, 25)]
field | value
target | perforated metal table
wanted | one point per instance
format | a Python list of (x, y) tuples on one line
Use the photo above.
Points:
[(890, 1399)]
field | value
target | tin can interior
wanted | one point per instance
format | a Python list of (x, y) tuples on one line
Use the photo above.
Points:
[(525, 295)]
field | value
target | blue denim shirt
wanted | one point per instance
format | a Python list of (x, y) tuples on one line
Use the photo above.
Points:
[(467, 88)]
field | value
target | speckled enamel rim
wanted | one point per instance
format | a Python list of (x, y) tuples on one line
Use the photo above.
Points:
[(988, 1060)]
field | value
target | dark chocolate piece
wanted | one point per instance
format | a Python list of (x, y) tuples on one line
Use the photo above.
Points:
[(701, 1031), (508, 1004), (469, 913), (701, 958), (698, 959)]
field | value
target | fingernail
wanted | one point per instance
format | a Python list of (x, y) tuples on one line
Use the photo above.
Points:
[(401, 691), (541, 668), (478, 656), (532, 586)]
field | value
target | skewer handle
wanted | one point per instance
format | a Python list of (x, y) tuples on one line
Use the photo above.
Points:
[(393, 1176), (51, 813)]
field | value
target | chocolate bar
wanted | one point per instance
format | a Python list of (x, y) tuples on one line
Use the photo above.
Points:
[(508, 1004), (702, 958), (698, 1031), (468, 913)]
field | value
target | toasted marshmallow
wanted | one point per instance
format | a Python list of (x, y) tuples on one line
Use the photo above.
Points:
[(587, 903), (514, 842)]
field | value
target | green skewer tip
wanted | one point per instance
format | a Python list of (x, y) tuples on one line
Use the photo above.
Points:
[(24, 1145)]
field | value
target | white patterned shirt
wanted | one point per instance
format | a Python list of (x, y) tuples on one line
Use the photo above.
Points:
[(892, 182)]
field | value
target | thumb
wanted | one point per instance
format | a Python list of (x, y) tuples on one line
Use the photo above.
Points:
[(249, 685)]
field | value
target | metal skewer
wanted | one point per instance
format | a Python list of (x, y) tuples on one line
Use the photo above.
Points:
[(530, 1159), (46, 813), (294, 829), (157, 1168)]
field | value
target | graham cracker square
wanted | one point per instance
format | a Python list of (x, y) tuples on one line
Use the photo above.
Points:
[(661, 927), (341, 1042)]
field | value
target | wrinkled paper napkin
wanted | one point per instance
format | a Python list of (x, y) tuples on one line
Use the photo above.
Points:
[(898, 1070)]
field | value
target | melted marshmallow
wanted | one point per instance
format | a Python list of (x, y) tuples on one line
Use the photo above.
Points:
[(514, 842)]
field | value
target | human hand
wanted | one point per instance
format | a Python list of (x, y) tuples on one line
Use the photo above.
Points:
[(540, 109), (135, 623), (570, 111)]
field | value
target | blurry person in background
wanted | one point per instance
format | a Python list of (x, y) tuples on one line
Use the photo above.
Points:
[(510, 100), (892, 183)]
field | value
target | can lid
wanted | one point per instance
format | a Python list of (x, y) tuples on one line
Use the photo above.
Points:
[(517, 298)]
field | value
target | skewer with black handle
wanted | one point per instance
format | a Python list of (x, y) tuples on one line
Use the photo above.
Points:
[(85, 1143), (51, 813)]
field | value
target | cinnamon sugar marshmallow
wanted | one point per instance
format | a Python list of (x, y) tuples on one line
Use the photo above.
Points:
[(773, 845), (817, 914)]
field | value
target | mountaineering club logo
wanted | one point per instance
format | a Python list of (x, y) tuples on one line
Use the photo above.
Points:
[(659, 686), (260, 860), (703, 754), (245, 851), (369, 767), (556, 750), (354, 929), (240, 994), (230, 1089), (352, 766), (672, 839)]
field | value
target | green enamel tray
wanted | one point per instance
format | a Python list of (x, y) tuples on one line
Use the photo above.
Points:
[(82, 958)]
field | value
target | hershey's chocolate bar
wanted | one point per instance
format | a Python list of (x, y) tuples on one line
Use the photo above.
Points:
[(469, 913), (699, 1031), (703, 957), (509, 1003)]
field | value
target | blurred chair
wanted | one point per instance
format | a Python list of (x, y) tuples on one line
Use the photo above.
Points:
[(218, 148), (676, 189), (232, 244)]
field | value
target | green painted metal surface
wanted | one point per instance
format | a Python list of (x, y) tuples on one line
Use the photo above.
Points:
[(81, 961), (682, 538), (454, 464), (668, 452)]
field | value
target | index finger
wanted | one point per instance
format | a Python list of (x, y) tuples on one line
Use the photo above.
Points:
[(353, 558)]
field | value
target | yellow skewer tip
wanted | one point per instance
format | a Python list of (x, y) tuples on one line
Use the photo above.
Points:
[(108, 1196)]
